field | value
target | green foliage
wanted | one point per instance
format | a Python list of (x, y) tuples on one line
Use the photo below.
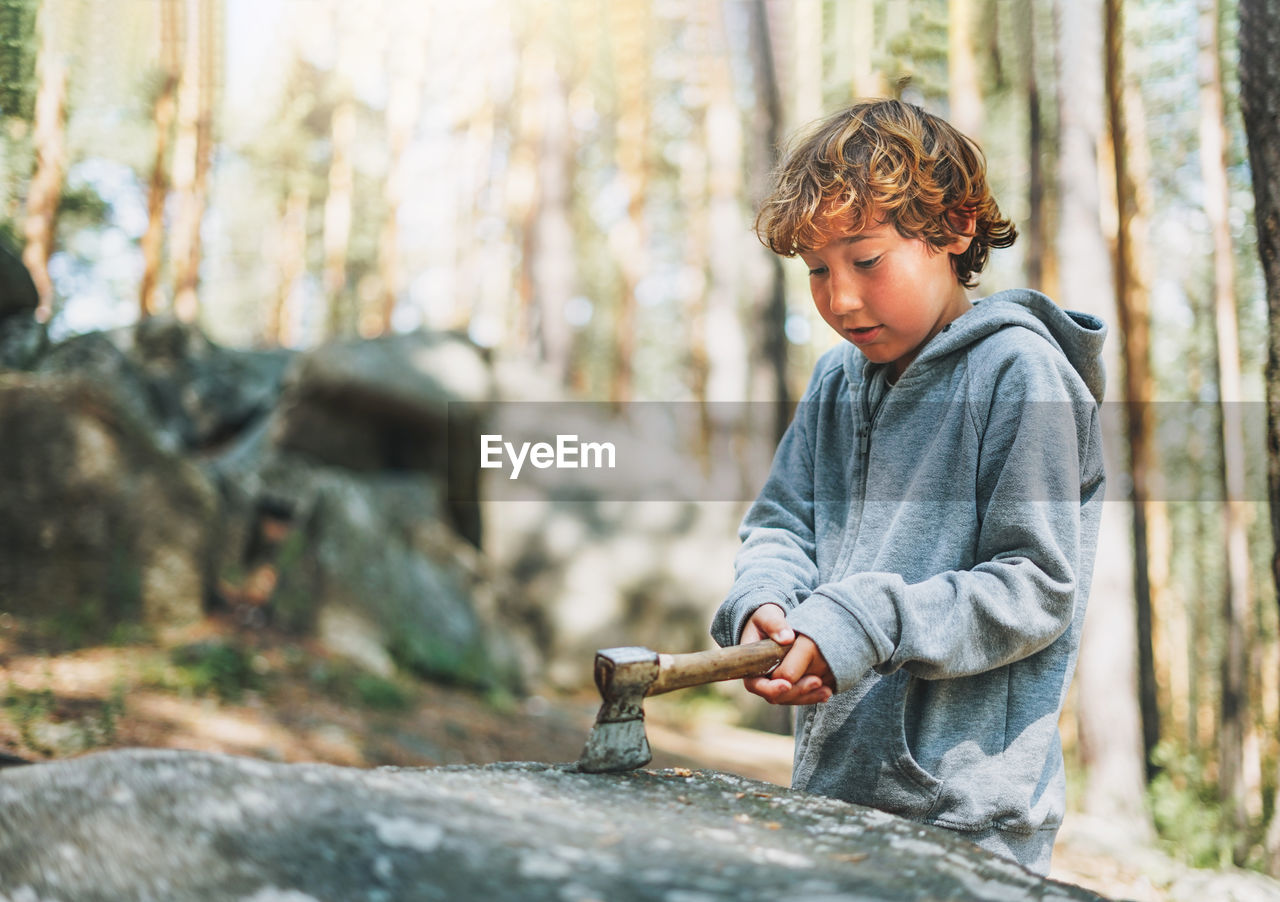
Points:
[(292, 603), (17, 58), (46, 730), (78, 625), (26, 708), (379, 694), (432, 658), (111, 615), (350, 685), (81, 207), (218, 668), (1186, 810)]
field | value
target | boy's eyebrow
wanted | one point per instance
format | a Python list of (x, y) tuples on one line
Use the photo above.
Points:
[(843, 240)]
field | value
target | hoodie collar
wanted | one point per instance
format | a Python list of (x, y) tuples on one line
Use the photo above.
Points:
[(1078, 336)]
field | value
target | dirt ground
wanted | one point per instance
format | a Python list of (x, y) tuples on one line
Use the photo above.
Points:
[(216, 689)]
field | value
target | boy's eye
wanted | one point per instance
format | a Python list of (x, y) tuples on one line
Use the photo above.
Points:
[(817, 270), (868, 263)]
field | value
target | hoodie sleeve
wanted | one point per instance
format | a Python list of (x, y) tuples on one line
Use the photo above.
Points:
[(1038, 429), (777, 561)]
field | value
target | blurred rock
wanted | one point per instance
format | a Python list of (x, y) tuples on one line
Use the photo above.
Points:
[(101, 524), (185, 826), (385, 405), (22, 341), (376, 548), (197, 394), (351, 472), (152, 474), (18, 295)]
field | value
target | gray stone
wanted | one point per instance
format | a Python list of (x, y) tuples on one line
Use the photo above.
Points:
[(101, 524), (177, 826), (196, 394), (385, 405), (22, 341), (374, 547), (18, 295)]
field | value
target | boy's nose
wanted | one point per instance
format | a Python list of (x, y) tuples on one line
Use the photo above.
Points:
[(845, 300)]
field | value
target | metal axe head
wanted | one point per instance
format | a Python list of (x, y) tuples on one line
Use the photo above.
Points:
[(617, 742)]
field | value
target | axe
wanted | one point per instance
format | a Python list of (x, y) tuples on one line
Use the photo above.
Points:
[(626, 675)]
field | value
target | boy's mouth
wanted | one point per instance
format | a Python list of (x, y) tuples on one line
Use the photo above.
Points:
[(863, 334)]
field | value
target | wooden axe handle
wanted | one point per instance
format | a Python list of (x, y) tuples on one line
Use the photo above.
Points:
[(732, 663)]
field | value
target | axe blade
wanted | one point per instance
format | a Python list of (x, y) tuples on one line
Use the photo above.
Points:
[(613, 747), (617, 742)]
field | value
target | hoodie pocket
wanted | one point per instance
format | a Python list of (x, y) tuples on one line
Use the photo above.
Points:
[(856, 749), (906, 759)]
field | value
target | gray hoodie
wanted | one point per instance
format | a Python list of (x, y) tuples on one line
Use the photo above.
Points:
[(936, 539)]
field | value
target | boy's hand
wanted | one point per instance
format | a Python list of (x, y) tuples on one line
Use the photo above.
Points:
[(803, 677)]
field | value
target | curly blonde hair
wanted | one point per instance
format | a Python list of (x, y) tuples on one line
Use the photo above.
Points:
[(885, 161)]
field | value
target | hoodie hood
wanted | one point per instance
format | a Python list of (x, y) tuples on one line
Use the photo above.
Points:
[(1078, 336)]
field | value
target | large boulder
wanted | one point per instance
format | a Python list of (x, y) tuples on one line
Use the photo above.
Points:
[(179, 826), (350, 474), (385, 405), (367, 561), (195, 395), (22, 338), (18, 295), (22, 341), (102, 525)]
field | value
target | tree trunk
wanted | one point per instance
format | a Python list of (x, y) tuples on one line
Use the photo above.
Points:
[(1107, 710), (1238, 784), (855, 47), (45, 190), (1134, 322), (552, 238), (404, 103), (703, 45), (162, 115), (338, 205), (771, 306), (806, 58), (540, 195), (962, 70), (726, 346), (192, 153), (629, 239), (1035, 243), (1260, 104), (291, 263)]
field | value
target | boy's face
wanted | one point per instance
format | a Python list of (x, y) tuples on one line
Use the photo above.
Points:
[(887, 294)]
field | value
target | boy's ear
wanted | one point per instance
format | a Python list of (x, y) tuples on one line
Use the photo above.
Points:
[(965, 221)]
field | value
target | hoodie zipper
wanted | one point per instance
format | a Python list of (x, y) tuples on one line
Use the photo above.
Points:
[(869, 416), (865, 426)]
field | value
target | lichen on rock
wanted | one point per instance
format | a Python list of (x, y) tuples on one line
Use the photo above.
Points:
[(148, 824)]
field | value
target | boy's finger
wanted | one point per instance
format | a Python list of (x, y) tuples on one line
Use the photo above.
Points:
[(809, 683), (771, 690), (817, 697), (771, 621), (794, 665), (813, 694)]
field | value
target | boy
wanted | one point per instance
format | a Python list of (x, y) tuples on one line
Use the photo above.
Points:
[(925, 539)]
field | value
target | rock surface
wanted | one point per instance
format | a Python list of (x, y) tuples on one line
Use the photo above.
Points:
[(152, 825), (102, 524), (192, 393), (156, 476)]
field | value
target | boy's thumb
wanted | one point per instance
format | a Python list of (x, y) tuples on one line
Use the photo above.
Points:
[(774, 621)]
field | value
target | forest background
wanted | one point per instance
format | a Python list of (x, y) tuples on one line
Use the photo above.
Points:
[(574, 181)]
